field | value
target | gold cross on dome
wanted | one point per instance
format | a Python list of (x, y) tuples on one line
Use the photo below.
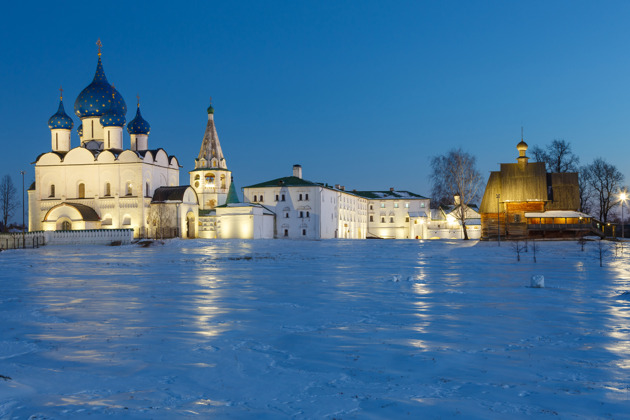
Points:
[(99, 44), (60, 93), (138, 97), (211, 100)]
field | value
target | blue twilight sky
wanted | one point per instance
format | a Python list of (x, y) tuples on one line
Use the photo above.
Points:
[(360, 93)]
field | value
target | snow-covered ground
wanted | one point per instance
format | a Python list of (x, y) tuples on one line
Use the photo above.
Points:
[(326, 329)]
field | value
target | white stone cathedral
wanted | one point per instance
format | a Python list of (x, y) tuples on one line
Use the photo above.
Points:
[(101, 184)]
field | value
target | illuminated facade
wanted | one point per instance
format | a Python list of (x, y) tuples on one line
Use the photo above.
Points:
[(100, 184), (309, 210)]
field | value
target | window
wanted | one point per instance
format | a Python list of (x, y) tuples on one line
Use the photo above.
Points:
[(406, 205), (108, 189), (301, 215), (300, 199), (407, 219), (56, 141), (286, 232), (308, 214), (210, 180), (303, 232), (52, 190), (81, 190), (223, 181), (277, 197), (255, 198), (371, 218), (66, 225), (371, 207), (147, 190), (517, 218), (395, 205), (382, 205), (283, 198), (261, 198), (129, 189), (286, 214), (383, 219), (422, 205), (306, 197), (391, 220)]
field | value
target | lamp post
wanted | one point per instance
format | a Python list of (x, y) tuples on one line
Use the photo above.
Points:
[(622, 198), (498, 221), (23, 234)]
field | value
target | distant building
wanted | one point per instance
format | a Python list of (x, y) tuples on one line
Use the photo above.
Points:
[(444, 223), (522, 200), (396, 214), (309, 210)]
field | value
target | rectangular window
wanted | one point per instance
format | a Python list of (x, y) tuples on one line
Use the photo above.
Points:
[(286, 215), (371, 207), (382, 205), (306, 197), (371, 218), (391, 220), (406, 219), (395, 205), (382, 219), (277, 197), (300, 199), (261, 198), (308, 214), (283, 197), (301, 215), (422, 205), (303, 232), (406, 205), (286, 232)]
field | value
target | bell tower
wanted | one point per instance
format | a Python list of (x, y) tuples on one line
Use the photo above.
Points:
[(211, 178)]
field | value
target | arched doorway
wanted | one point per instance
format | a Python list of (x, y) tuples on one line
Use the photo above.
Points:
[(190, 225)]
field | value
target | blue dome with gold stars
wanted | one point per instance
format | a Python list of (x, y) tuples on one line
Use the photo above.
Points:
[(112, 119), (138, 125), (80, 130), (97, 99), (60, 119)]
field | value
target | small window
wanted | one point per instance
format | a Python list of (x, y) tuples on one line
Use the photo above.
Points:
[(255, 198), (129, 189), (300, 199), (81, 190), (66, 225), (197, 177), (306, 197), (52, 190), (147, 190), (406, 205), (301, 215), (391, 220), (422, 205), (286, 214), (383, 219), (308, 214), (261, 198), (303, 232), (283, 197), (277, 197), (371, 207), (382, 205), (286, 232), (108, 189), (395, 205), (406, 219), (371, 218)]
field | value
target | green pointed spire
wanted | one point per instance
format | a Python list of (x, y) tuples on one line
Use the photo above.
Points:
[(232, 197)]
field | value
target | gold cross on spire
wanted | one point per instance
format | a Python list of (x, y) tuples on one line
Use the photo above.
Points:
[(138, 97), (99, 44), (60, 93), (211, 100)]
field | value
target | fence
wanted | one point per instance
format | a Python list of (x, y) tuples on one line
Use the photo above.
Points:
[(66, 237)]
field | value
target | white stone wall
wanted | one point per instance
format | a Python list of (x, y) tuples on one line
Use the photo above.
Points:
[(390, 218)]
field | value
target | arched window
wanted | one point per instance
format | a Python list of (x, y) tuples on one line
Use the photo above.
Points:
[(52, 190), (210, 180), (108, 189), (82, 190), (308, 214), (223, 181), (66, 225), (261, 198), (129, 189), (255, 198), (147, 190)]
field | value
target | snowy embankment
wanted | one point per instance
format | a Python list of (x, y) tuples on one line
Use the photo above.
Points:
[(328, 329)]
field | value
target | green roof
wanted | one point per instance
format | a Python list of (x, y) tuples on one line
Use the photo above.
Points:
[(389, 195), (232, 197), (287, 181)]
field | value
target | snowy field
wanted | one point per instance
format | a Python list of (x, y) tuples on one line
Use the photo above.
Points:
[(326, 329)]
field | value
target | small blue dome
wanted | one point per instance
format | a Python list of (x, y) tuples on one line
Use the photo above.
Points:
[(138, 125), (96, 99), (80, 130), (60, 119), (112, 119)]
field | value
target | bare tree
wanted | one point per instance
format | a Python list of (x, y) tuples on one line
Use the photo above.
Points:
[(160, 218), (585, 189), (558, 156), (8, 202), (605, 180), (455, 174)]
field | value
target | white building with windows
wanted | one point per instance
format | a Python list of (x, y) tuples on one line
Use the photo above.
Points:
[(396, 214), (309, 210), (100, 184)]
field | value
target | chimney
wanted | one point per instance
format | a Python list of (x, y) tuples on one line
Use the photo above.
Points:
[(342, 188), (337, 186), (297, 171)]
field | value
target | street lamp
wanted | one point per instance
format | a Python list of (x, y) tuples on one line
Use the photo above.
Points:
[(622, 197), (23, 241), (498, 220)]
